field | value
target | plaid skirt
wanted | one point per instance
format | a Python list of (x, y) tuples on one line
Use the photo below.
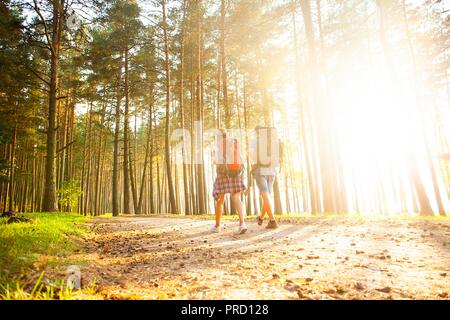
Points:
[(225, 184)]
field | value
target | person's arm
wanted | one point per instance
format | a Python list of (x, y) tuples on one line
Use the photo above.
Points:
[(216, 153)]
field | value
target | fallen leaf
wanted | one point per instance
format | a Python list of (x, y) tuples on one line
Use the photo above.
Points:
[(359, 286), (385, 290)]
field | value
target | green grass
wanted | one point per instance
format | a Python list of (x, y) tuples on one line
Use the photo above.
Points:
[(28, 248), (41, 291)]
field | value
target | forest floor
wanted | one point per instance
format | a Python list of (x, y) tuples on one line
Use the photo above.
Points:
[(305, 258)]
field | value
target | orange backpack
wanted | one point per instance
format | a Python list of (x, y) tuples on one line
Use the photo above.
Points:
[(230, 161)]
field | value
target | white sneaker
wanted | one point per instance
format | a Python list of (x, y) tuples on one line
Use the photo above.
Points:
[(242, 228), (215, 229)]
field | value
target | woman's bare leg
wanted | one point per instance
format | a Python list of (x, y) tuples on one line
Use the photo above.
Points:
[(218, 207), (239, 208)]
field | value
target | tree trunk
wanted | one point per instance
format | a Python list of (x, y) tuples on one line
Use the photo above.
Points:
[(192, 167), (249, 174), (173, 207), (144, 172), (182, 114), (431, 166), (424, 202), (223, 65), (200, 167), (50, 202), (115, 177), (126, 147), (133, 166), (98, 164), (310, 168), (320, 114), (87, 190), (12, 160)]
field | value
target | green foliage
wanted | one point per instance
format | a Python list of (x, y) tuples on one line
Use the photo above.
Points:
[(3, 170), (19, 91), (69, 194)]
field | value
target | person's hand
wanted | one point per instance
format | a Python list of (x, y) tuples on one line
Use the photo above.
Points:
[(247, 192)]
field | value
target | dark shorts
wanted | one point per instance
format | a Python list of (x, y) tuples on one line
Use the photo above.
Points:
[(264, 183)]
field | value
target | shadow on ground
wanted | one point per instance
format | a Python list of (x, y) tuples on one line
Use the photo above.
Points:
[(320, 258)]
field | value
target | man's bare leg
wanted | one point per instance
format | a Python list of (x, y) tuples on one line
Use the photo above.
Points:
[(263, 210), (267, 205)]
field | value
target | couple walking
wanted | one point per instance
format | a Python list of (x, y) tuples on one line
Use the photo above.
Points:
[(265, 153)]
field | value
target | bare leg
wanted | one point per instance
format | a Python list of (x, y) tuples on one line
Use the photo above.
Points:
[(267, 205), (238, 205), (263, 210), (218, 207)]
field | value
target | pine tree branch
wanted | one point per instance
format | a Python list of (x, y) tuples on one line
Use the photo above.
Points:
[(47, 36)]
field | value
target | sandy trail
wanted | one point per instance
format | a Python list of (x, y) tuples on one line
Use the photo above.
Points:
[(313, 258)]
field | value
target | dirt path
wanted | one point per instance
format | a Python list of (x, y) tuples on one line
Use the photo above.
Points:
[(314, 258)]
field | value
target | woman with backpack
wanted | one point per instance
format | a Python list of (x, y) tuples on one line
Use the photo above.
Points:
[(230, 179)]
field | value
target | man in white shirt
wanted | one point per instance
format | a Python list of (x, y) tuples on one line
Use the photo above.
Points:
[(265, 158)]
